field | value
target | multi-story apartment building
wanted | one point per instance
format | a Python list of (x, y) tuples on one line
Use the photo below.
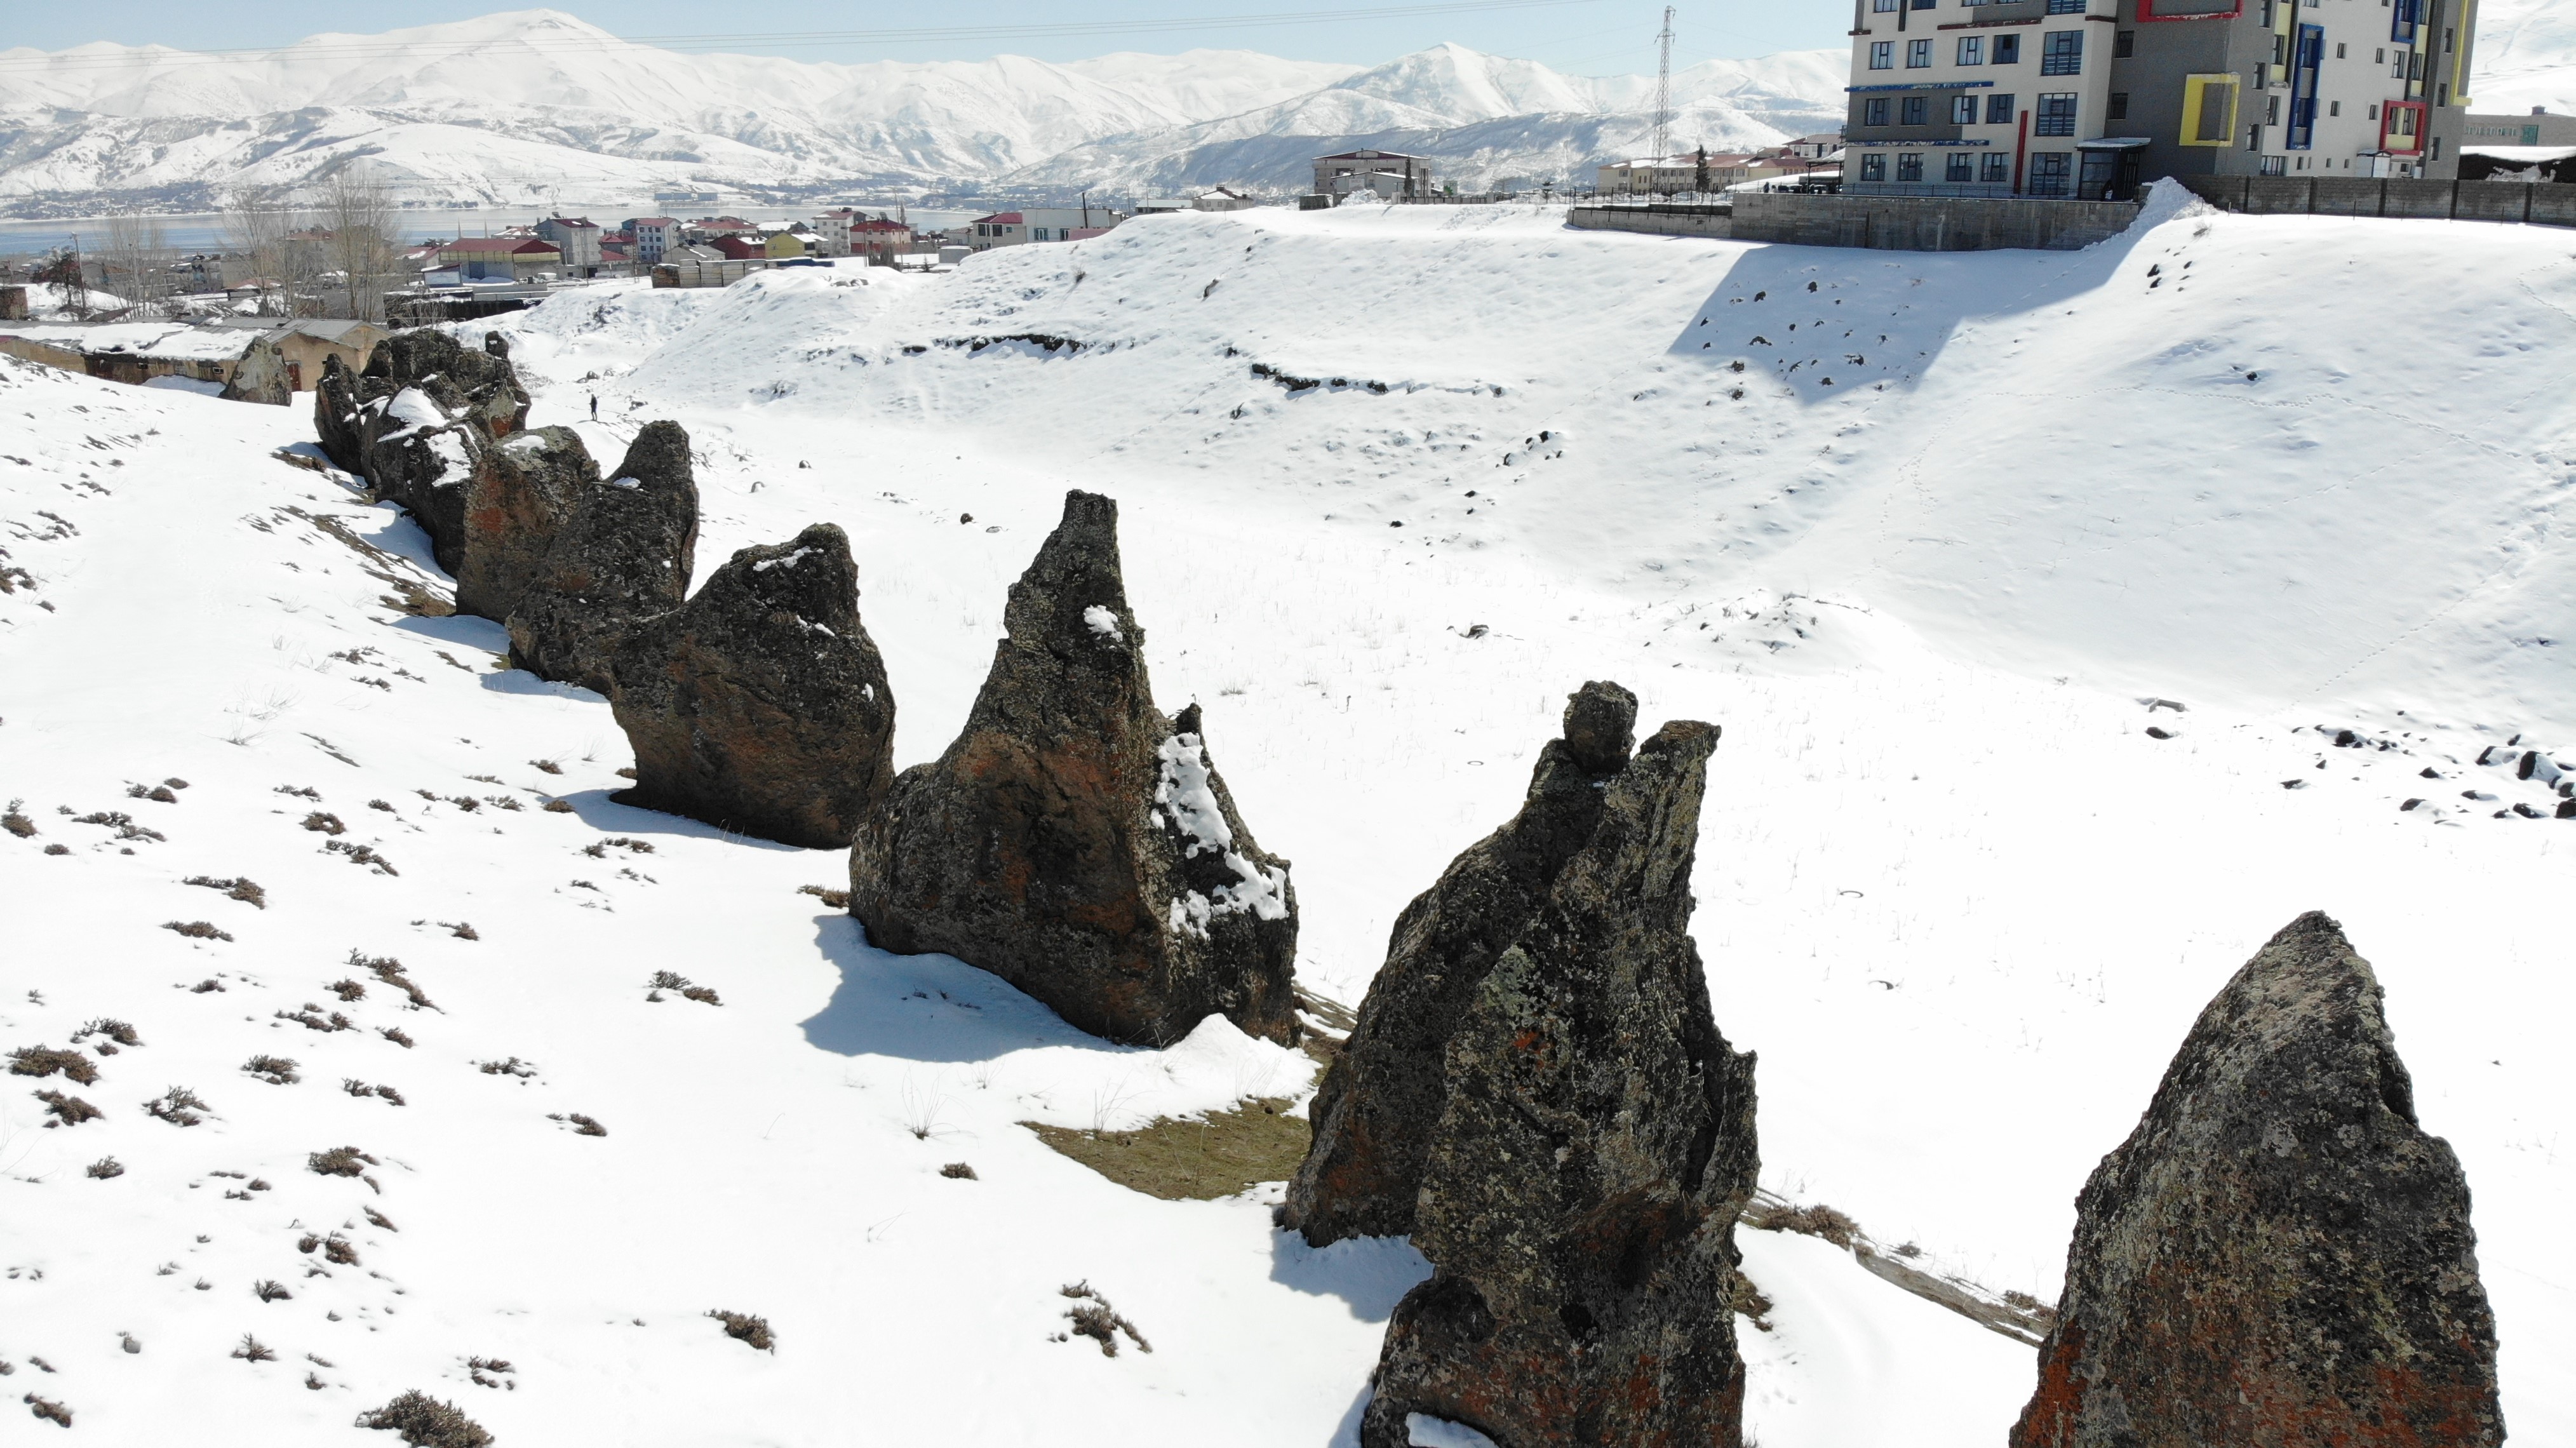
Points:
[(2089, 98)]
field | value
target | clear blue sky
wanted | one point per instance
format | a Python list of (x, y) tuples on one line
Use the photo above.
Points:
[(1592, 37)]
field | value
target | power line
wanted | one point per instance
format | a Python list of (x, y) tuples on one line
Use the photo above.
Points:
[(702, 43)]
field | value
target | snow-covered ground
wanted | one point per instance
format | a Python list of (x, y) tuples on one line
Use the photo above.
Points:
[(2298, 475)]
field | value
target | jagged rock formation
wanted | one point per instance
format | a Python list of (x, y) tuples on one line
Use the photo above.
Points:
[(2278, 1255), (1595, 1146), (625, 552), (516, 499), (761, 705), (1376, 1108), (418, 421), (1076, 842)]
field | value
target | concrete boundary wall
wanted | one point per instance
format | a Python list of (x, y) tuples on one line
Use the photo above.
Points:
[(1701, 221), (1929, 223), (2535, 203)]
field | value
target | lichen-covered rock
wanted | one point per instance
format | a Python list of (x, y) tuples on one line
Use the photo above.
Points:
[(335, 416), (1073, 840), (1579, 1197), (478, 385), (2278, 1256), (521, 491), (625, 552), (1376, 1108), (416, 423), (761, 705)]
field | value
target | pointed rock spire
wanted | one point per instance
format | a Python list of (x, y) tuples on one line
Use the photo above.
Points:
[(2278, 1255), (517, 498), (1076, 842), (624, 553), (761, 704), (1596, 1143), (1376, 1108)]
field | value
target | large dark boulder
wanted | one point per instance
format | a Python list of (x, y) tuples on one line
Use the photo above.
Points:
[(1596, 1143), (1379, 1102), (417, 422), (1074, 841), (625, 552), (2278, 1255), (480, 385), (761, 705), (517, 498), (335, 416)]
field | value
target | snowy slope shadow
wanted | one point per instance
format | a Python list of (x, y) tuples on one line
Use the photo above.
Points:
[(1372, 1274), (928, 1007), (1828, 320)]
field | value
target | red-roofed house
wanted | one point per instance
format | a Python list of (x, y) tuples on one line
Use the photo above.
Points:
[(501, 258), (654, 235)]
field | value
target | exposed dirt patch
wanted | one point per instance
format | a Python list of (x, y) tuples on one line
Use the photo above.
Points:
[(1193, 1160)]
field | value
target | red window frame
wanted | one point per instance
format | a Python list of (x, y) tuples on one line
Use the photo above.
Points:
[(2147, 12), (2387, 119)]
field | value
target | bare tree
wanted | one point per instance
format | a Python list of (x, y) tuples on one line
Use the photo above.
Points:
[(256, 224), (62, 270), (136, 259), (361, 249)]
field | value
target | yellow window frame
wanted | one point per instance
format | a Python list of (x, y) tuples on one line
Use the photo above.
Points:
[(2195, 91)]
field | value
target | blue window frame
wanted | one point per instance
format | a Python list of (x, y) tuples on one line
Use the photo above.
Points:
[(1873, 112), (2307, 59), (1909, 165), (2062, 53), (1918, 55), (1999, 109), (1963, 110), (1972, 50), (1882, 55), (2406, 16), (2007, 50), (1917, 111), (1883, 5)]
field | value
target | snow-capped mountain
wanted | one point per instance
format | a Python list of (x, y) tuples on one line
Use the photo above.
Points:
[(541, 103)]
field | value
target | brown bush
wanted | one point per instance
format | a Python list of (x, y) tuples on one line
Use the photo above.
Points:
[(396, 1035), (559, 806), (268, 1292), (197, 929), (69, 1110), (240, 888), (586, 1126), (959, 1171), (1094, 1318), (252, 1350), (1816, 1221), (341, 1161), (275, 1070), (325, 824), (837, 899), (178, 1106), (426, 1422), (16, 822), (115, 1030), (347, 990), (389, 971), (742, 1327), (45, 1061), (106, 1167), (49, 1410)]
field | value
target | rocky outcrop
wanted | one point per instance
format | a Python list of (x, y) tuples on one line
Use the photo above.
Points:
[(417, 423), (477, 386), (516, 499), (336, 419), (625, 552), (2278, 1255), (1593, 1150), (760, 705), (1378, 1104), (1074, 841)]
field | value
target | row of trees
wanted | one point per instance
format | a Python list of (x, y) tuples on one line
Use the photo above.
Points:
[(338, 252)]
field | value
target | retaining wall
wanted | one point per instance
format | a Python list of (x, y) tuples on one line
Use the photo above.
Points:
[(1655, 221), (1929, 223), (2537, 203)]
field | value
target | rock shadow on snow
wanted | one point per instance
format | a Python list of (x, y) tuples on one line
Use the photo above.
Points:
[(602, 810), (1371, 1274), (935, 1009)]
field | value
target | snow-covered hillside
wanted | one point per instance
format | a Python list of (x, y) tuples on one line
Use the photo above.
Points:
[(528, 105), (2526, 57), (1928, 536)]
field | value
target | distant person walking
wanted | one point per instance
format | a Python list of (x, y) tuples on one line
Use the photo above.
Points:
[(594, 407)]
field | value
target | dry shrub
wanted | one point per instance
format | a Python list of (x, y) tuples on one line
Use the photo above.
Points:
[(511, 1067), (1094, 1318), (396, 1035), (49, 1410), (959, 1171), (742, 1327), (701, 994), (241, 888), (837, 899), (380, 1219), (426, 1422), (546, 766), (275, 1070), (347, 990), (106, 1167), (325, 824), (311, 1019), (1816, 1221), (586, 1126), (341, 1161), (115, 1030), (45, 1061), (389, 971), (268, 1292), (196, 929), (252, 1350), (15, 821), (338, 1250), (178, 1106), (559, 806), (69, 1110)]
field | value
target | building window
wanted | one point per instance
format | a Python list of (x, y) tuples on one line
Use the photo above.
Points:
[(2062, 53), (2048, 173), (1963, 110), (1909, 165), (2334, 108), (1882, 55), (2007, 50), (1873, 167), (2055, 115), (1917, 111), (2374, 110), (1972, 50), (1883, 6), (1999, 109), (2119, 107), (1994, 167), (2065, 7), (2124, 44), (2275, 165), (1918, 55), (2338, 50), (1962, 168), (1873, 112)]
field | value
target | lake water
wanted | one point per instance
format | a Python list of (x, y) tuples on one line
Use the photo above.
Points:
[(205, 232)]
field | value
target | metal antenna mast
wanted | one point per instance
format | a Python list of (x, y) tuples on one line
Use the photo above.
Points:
[(1663, 88)]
